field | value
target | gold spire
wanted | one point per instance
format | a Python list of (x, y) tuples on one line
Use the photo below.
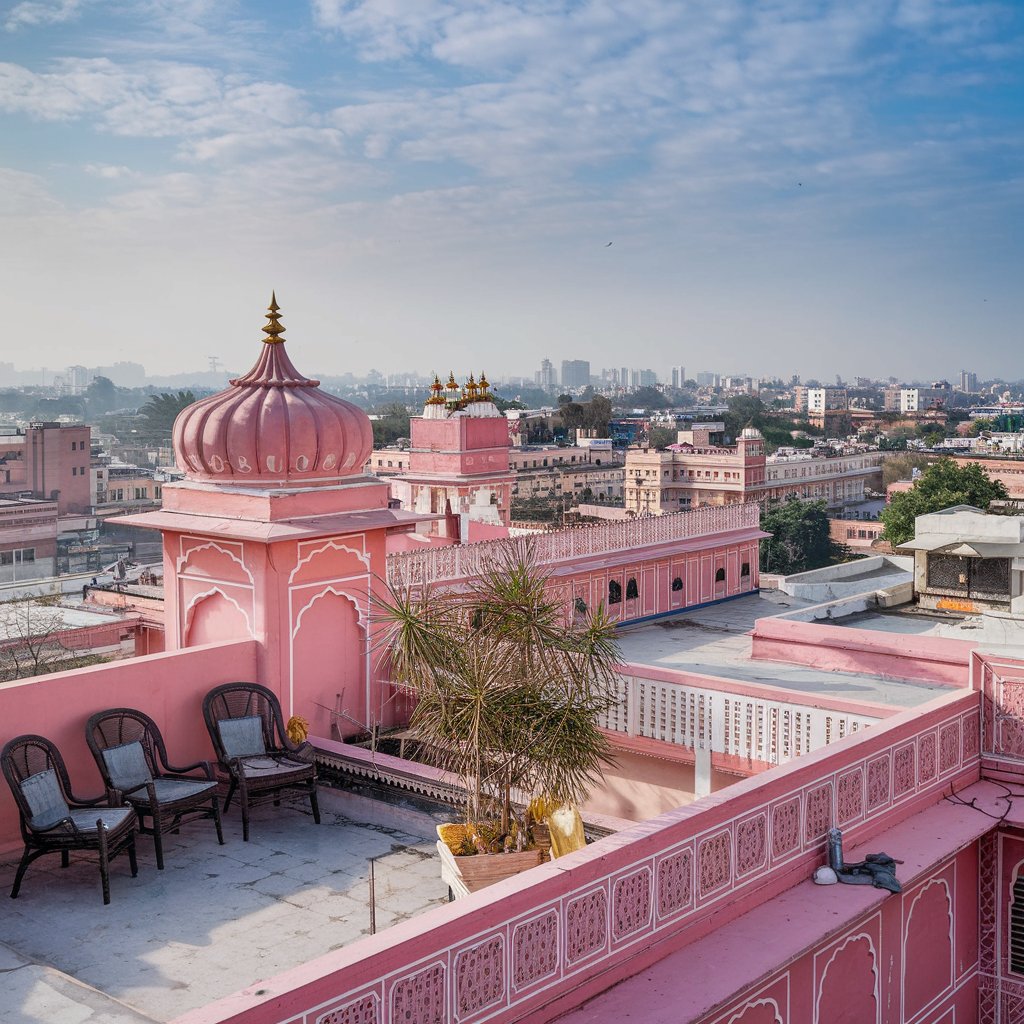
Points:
[(436, 392), (274, 329), (484, 385), (453, 389), (471, 389)]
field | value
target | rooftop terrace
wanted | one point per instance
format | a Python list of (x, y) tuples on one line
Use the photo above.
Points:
[(216, 920), (716, 641)]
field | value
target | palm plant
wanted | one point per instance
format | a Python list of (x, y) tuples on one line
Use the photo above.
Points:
[(508, 692)]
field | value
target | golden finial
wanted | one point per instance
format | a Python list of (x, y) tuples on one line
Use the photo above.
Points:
[(471, 389), (484, 385), (274, 329), (436, 392)]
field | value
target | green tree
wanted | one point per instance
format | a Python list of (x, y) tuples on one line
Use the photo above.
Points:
[(508, 691), (394, 423), (661, 437), (162, 410), (902, 466), (597, 415), (942, 485), (799, 538)]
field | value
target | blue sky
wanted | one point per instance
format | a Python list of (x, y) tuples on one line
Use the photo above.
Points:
[(789, 186)]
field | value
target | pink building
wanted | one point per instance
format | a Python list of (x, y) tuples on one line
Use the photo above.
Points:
[(273, 547), (458, 460), (48, 461)]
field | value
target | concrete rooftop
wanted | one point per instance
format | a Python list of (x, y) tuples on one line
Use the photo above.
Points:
[(215, 920), (715, 641)]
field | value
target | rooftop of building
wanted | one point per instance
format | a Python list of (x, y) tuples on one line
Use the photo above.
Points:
[(716, 641), (216, 920)]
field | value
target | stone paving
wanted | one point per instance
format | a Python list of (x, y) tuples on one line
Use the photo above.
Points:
[(217, 919)]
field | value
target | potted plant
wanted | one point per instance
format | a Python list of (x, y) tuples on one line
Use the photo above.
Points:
[(509, 688)]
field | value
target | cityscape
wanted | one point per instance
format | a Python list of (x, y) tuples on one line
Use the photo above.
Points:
[(512, 512)]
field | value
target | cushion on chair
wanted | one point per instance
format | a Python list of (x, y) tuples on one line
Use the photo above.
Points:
[(242, 737), (44, 797), (168, 791), (127, 765), (85, 817)]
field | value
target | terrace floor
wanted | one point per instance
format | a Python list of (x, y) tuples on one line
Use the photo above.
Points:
[(715, 641), (216, 920)]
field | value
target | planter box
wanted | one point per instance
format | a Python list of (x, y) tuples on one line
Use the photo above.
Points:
[(464, 875)]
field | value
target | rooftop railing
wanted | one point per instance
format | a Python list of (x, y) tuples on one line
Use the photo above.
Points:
[(462, 561)]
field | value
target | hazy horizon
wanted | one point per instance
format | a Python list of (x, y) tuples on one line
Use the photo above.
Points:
[(813, 188)]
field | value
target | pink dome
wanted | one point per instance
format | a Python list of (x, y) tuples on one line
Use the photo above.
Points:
[(273, 427)]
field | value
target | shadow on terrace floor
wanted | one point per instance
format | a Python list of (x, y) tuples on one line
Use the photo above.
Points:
[(214, 921)]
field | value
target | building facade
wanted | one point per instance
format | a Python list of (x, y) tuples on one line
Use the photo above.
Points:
[(49, 462)]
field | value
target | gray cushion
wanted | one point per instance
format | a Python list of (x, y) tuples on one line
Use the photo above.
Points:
[(170, 790), (127, 765), (85, 817), (45, 800), (242, 737)]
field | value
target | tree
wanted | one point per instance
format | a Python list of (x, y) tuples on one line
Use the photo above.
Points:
[(902, 466), (800, 538), (508, 692), (394, 423), (661, 437), (597, 415), (30, 640), (162, 410), (942, 485)]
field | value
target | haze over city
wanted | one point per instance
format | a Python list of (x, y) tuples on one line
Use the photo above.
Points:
[(817, 187)]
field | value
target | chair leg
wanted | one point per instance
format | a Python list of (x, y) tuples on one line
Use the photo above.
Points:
[(216, 820), (65, 858), (158, 845), (104, 863), (243, 799), (231, 793), (314, 804), (26, 859), (132, 859)]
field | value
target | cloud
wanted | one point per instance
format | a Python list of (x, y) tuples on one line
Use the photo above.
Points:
[(31, 13)]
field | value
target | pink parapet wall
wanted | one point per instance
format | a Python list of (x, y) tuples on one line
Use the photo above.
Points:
[(167, 687), (536, 946), (844, 649)]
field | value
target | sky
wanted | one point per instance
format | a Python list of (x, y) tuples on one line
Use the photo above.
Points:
[(758, 186)]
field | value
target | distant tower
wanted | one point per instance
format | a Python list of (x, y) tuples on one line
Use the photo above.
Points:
[(459, 459)]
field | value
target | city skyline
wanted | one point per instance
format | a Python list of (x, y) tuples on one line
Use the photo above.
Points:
[(814, 188)]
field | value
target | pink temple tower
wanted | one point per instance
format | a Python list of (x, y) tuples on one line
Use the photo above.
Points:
[(278, 534), (459, 461)]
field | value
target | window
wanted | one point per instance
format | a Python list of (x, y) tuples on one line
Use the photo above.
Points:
[(614, 592), (580, 605), (720, 576), (1017, 927), (74, 446), (677, 583), (745, 569), (140, 493), (74, 471), (632, 593)]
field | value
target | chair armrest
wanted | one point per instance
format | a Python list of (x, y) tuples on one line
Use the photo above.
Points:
[(203, 766), (64, 825), (90, 801), (302, 752)]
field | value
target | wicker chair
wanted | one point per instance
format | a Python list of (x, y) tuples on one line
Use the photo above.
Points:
[(54, 820), (132, 759), (253, 749)]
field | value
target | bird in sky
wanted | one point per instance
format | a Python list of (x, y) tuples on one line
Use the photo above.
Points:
[(606, 244)]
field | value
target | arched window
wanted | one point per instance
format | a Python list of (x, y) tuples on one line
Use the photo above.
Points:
[(745, 569), (1017, 926), (677, 583), (632, 593), (614, 592), (720, 576)]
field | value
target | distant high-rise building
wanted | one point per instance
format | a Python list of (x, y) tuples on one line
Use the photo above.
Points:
[(647, 378), (707, 379), (545, 376), (968, 382), (575, 373), (624, 376), (678, 376)]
